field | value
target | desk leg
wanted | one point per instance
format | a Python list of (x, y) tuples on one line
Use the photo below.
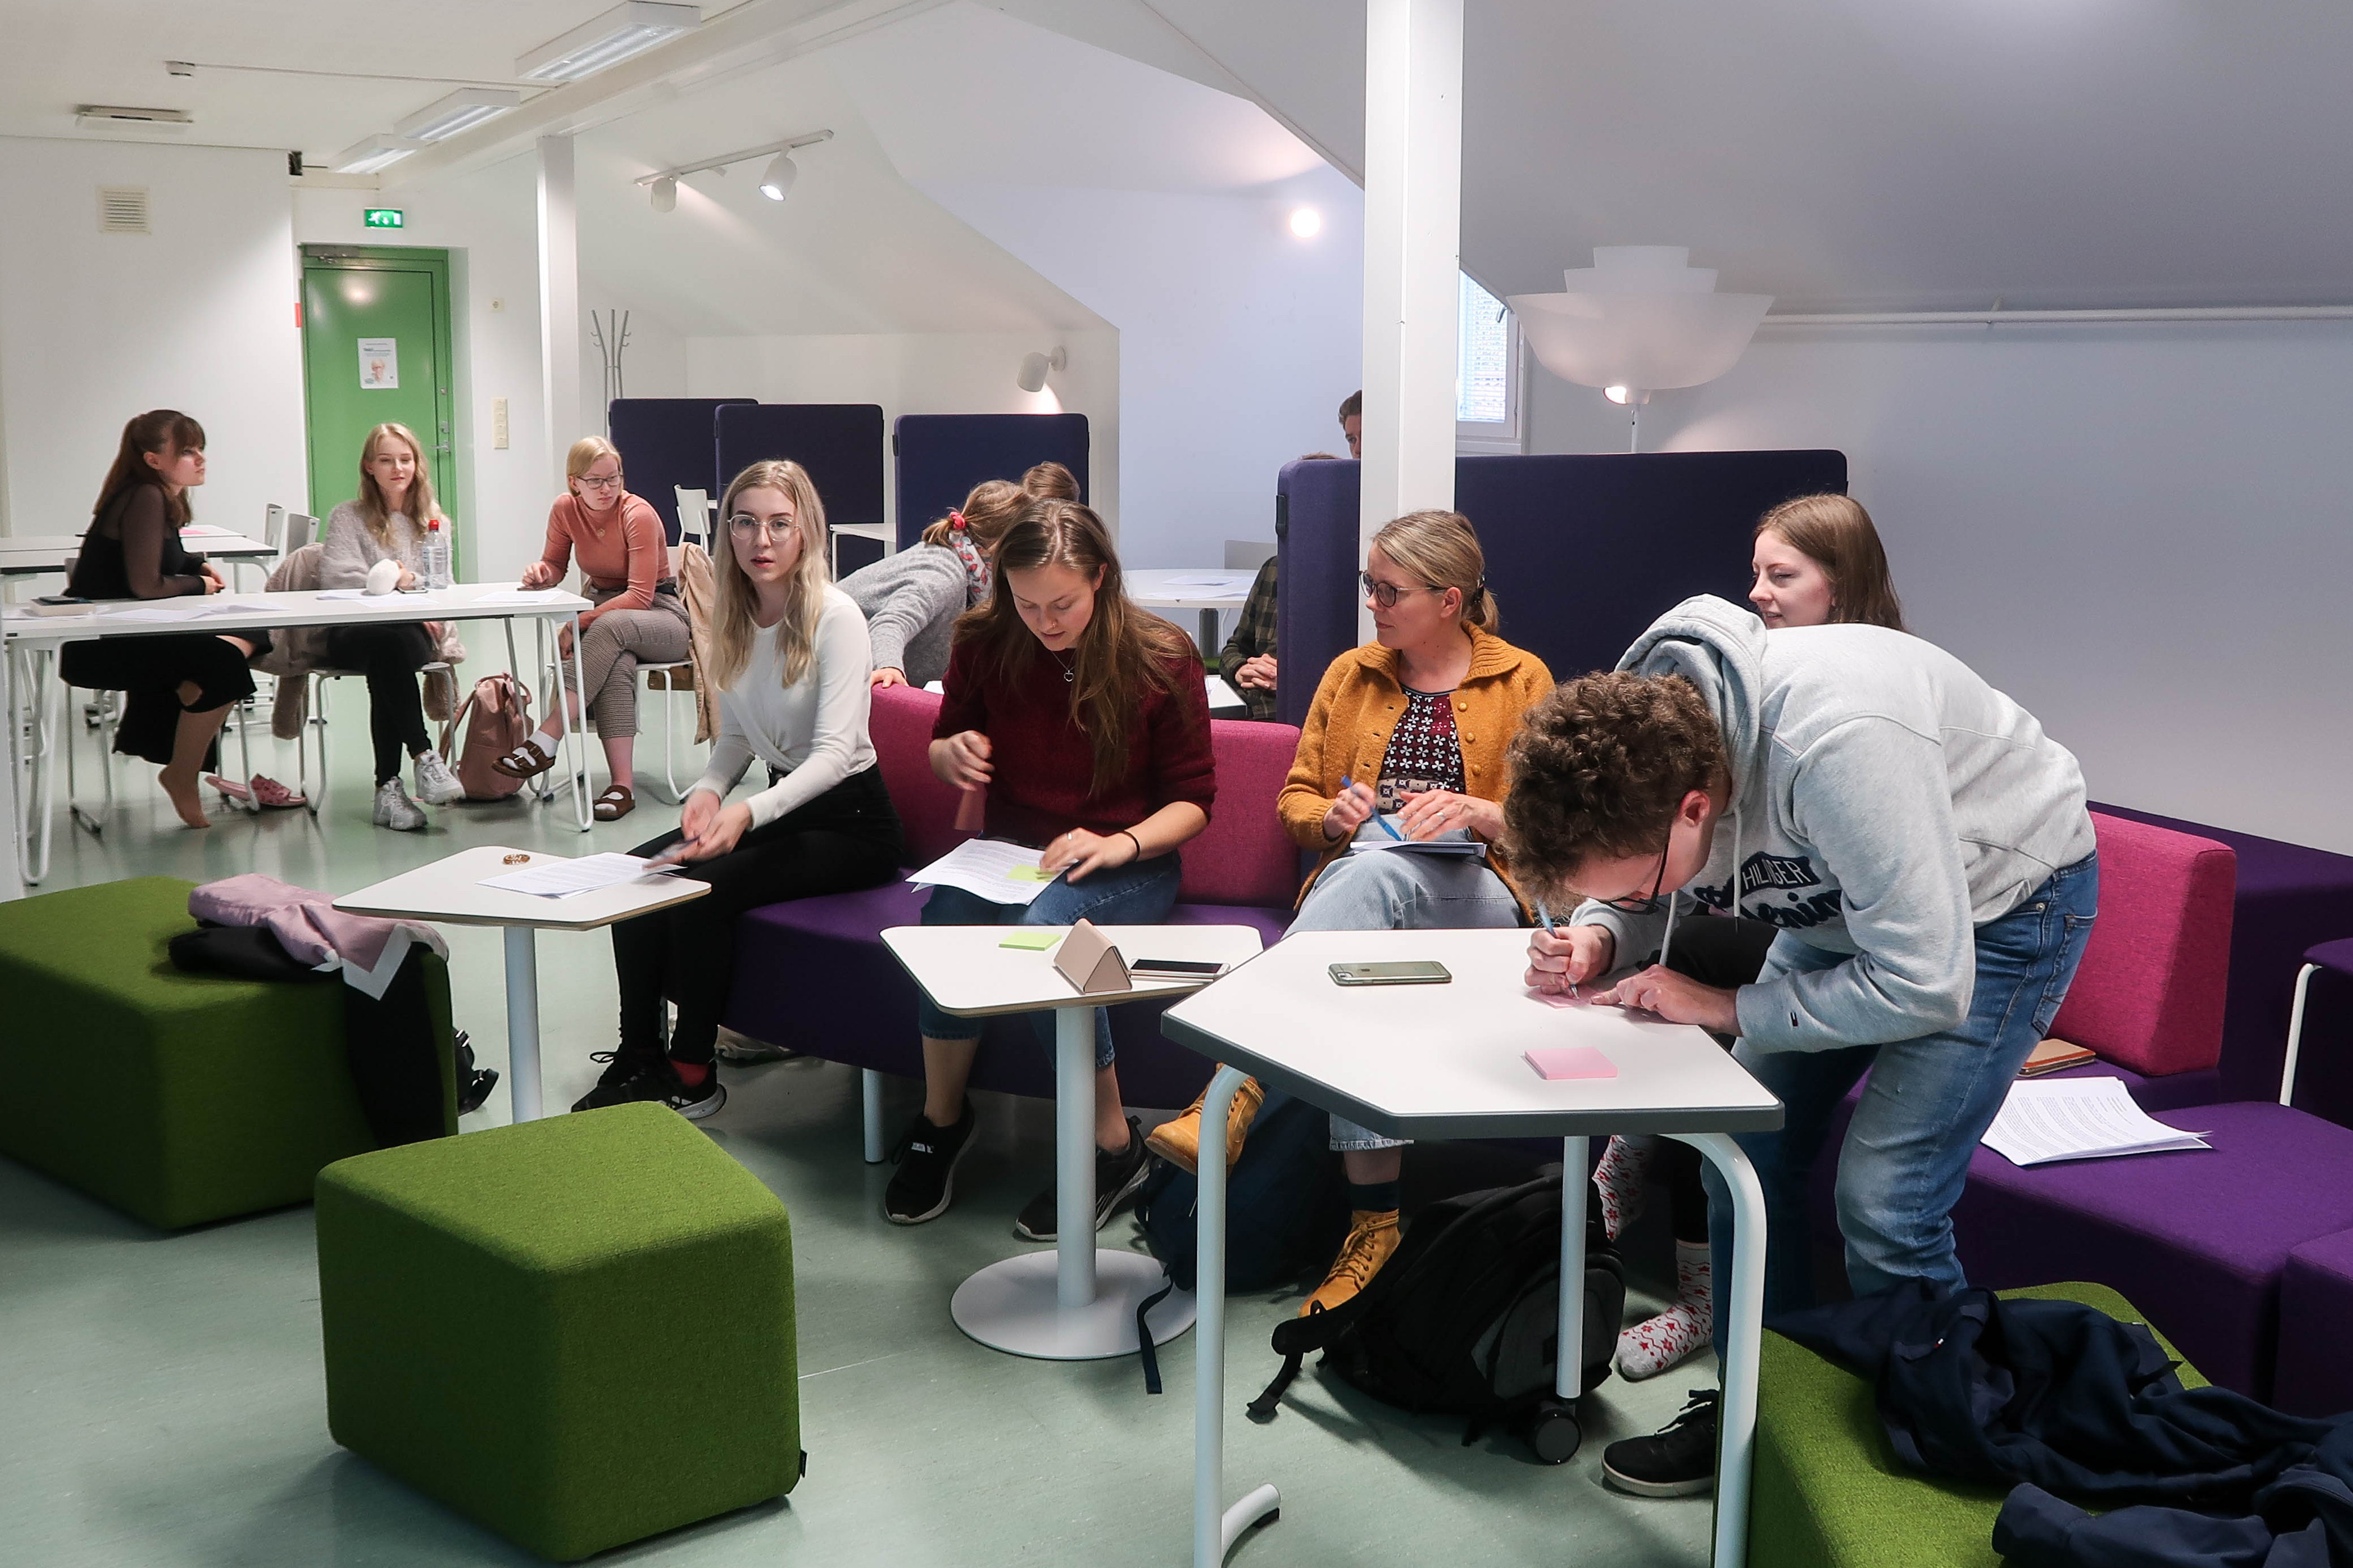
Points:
[(1576, 1163), (869, 1106), (1074, 1156), (580, 772), (1214, 1527), (522, 1023), (1740, 1319)]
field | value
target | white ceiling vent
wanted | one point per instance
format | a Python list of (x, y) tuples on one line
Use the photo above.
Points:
[(122, 209)]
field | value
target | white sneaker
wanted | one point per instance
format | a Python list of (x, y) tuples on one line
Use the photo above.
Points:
[(436, 784), (395, 810)]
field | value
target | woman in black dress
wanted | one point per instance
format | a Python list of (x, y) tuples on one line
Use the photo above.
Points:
[(177, 689)]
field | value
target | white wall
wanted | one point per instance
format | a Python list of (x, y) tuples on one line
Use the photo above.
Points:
[(95, 328), (927, 373), (2141, 533)]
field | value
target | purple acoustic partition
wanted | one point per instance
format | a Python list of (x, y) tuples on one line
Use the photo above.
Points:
[(665, 443)]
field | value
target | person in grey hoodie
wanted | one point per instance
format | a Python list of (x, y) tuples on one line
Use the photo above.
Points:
[(1924, 848)]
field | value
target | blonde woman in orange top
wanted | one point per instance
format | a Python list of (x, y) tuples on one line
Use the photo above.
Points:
[(638, 617)]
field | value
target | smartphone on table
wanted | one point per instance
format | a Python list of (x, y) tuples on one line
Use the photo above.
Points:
[(1414, 971), (1175, 968)]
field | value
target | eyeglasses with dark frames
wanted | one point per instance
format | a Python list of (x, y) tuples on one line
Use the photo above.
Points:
[(1385, 594), (1644, 904)]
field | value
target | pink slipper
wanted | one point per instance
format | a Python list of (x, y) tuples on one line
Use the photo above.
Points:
[(268, 792)]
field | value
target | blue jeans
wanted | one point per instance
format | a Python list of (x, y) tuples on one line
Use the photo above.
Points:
[(1907, 1154), (1139, 893), (1392, 892)]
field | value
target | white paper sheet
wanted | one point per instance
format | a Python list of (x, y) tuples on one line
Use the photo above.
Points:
[(1225, 580), (562, 879), (987, 867), (2044, 1120), (185, 609), (521, 597), (368, 601)]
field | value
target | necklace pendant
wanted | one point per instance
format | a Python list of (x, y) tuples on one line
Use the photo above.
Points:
[(1069, 677)]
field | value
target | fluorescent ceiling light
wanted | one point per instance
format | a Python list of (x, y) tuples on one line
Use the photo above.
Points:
[(625, 30), (462, 110), (370, 154), (119, 117)]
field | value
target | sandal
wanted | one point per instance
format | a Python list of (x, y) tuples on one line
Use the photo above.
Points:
[(615, 804), (266, 792), (525, 761)]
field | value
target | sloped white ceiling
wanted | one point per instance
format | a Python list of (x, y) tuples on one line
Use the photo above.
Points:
[(1884, 153)]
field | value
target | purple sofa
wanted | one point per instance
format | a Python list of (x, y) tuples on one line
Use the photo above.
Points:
[(813, 974)]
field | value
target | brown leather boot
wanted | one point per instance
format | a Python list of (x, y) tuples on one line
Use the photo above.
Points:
[(1372, 1238), (1179, 1141)]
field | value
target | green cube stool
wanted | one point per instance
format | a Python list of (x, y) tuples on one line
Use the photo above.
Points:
[(1829, 1489), (576, 1331), (176, 1097)]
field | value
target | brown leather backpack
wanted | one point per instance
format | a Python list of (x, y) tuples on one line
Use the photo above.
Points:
[(496, 716)]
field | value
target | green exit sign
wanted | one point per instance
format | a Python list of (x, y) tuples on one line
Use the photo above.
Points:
[(383, 217)]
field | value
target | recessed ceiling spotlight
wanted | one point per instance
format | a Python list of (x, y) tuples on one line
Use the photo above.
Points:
[(1306, 222)]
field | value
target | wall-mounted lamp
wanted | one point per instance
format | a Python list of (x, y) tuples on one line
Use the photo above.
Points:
[(1034, 367), (776, 184), (1306, 222), (1639, 319)]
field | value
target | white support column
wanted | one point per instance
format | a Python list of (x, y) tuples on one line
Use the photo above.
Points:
[(1413, 223), (559, 303)]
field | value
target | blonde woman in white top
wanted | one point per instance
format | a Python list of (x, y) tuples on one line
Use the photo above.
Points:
[(387, 521), (790, 666)]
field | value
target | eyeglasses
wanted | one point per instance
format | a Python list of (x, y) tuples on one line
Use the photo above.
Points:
[(590, 482), (755, 528), (1644, 904), (1384, 595)]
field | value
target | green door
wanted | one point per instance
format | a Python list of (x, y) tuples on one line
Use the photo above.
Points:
[(375, 349)]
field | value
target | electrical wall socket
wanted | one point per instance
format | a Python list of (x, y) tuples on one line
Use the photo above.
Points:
[(498, 424)]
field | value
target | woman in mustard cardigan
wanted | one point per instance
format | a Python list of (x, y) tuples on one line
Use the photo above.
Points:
[(1406, 739)]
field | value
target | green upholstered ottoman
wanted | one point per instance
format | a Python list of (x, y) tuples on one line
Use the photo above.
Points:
[(576, 1331), (176, 1097), (1828, 1487)]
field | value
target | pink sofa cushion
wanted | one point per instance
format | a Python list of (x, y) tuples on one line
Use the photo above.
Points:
[(2150, 992), (1243, 857)]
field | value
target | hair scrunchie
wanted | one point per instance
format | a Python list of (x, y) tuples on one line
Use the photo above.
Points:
[(956, 522)]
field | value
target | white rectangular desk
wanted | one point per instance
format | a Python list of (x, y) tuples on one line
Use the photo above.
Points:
[(1081, 1304), (1207, 589), (450, 890), (35, 555), (22, 635), (1445, 1061)]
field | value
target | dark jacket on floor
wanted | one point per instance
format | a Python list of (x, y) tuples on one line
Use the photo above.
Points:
[(2058, 1400)]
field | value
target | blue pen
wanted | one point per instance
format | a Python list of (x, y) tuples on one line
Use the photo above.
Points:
[(1385, 826), (1545, 916)]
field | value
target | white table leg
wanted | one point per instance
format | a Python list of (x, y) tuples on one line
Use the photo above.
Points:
[(1215, 1528), (1569, 1368), (522, 1023), (1740, 1331), (869, 1096), (580, 771), (1080, 1304)]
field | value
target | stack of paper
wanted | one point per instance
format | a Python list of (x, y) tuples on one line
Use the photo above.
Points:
[(990, 867), (552, 878), (2078, 1119)]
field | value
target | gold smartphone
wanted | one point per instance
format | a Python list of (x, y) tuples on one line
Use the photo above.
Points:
[(1416, 972)]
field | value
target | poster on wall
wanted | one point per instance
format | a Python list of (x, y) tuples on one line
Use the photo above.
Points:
[(379, 364)]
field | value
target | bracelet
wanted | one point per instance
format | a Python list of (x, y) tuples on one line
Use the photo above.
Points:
[(1132, 839)]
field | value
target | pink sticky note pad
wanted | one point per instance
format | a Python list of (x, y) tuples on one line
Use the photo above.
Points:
[(1570, 1061), (1561, 999)]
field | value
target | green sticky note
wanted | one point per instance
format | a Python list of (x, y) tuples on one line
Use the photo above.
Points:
[(1032, 941), (1029, 874)]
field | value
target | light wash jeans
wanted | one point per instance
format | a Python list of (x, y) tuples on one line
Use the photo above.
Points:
[(1402, 892), (1906, 1153), (1141, 892)]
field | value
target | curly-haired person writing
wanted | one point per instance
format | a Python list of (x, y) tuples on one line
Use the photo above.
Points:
[(1924, 848)]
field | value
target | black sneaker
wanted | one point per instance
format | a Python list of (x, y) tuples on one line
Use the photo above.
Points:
[(1116, 1178), (926, 1157), (629, 1075), (693, 1101), (1677, 1460), (474, 1084)]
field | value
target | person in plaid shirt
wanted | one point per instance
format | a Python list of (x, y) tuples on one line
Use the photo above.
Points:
[(1248, 660)]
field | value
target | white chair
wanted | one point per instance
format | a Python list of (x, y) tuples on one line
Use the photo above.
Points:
[(695, 514), (669, 685), (314, 718)]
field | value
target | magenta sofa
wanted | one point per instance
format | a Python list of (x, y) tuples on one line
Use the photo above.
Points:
[(813, 974)]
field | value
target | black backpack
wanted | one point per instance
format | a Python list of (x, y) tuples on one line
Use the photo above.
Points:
[(1464, 1319), (1286, 1203)]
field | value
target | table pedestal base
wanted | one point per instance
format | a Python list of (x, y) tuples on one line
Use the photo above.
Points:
[(1013, 1306)]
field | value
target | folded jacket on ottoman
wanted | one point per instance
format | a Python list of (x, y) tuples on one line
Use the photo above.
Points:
[(487, 1303)]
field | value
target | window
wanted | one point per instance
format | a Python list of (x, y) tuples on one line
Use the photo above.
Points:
[(1487, 373)]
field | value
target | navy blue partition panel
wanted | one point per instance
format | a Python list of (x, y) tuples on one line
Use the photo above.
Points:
[(841, 445), (665, 442), (1583, 552), (941, 457)]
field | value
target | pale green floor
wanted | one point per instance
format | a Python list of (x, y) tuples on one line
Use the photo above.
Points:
[(161, 1397)]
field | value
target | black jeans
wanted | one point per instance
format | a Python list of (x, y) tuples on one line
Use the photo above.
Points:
[(1721, 950), (390, 657), (845, 840)]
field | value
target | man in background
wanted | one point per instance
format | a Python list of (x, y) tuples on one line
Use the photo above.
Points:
[(1247, 661)]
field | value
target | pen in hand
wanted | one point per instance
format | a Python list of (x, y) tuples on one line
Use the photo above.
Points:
[(1544, 915), (1385, 825)]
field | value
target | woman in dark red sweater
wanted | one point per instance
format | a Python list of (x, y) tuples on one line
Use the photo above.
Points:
[(1086, 719)]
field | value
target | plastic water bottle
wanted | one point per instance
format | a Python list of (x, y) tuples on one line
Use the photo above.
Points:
[(437, 555)]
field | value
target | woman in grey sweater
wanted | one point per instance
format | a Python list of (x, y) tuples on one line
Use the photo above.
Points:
[(911, 599)]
